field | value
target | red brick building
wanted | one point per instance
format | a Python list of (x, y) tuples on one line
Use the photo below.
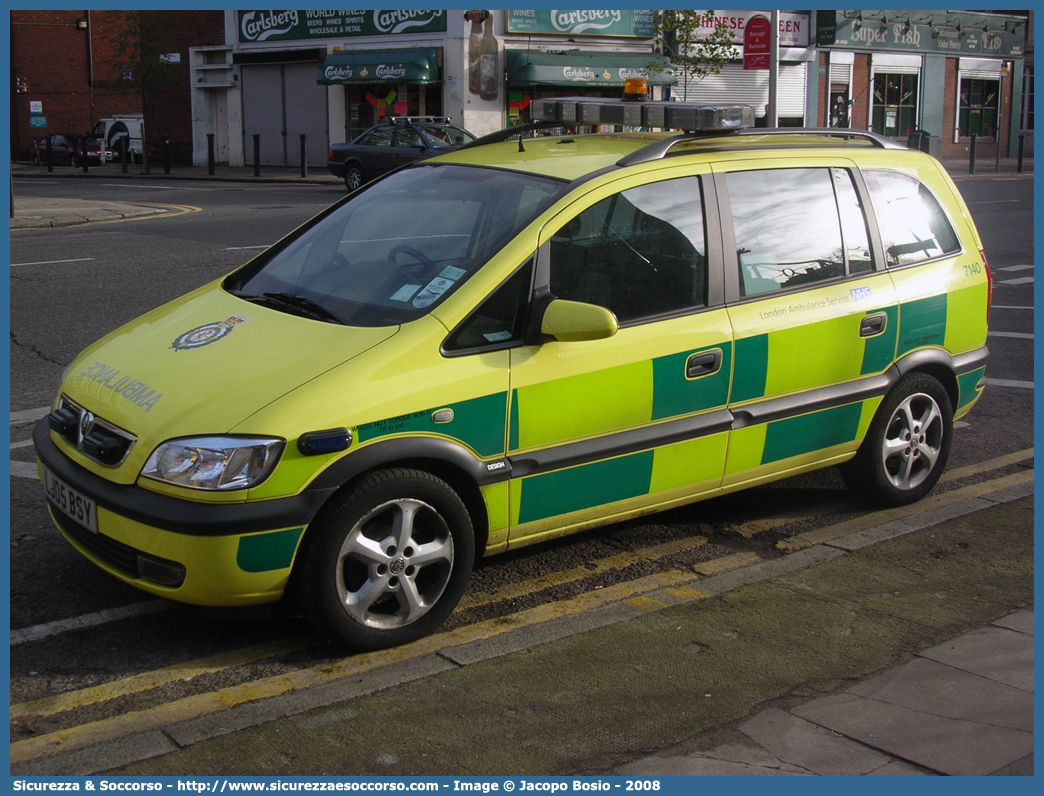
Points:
[(63, 75)]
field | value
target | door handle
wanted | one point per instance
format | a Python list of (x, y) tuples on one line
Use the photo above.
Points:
[(872, 324), (703, 364)]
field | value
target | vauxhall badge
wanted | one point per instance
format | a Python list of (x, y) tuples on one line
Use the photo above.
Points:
[(206, 334)]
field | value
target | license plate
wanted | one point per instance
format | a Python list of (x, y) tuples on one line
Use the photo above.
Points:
[(70, 502)]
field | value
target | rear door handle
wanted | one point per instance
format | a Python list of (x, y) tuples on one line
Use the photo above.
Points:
[(703, 364), (872, 325)]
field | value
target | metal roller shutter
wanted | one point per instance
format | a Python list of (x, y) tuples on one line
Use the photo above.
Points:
[(305, 113), (750, 86), (263, 112)]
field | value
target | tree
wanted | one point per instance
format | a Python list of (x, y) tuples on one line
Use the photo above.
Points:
[(141, 45), (680, 36)]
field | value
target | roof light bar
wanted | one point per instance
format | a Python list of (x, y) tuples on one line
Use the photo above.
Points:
[(688, 116)]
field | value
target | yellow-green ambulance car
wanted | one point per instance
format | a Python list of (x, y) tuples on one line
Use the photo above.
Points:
[(519, 340)]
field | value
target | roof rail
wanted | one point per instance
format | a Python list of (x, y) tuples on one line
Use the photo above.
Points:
[(659, 149), (511, 132), (420, 119)]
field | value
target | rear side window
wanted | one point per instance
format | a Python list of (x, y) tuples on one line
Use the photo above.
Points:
[(796, 227), (913, 225), (640, 253)]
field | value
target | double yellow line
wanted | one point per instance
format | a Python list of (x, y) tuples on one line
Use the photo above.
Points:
[(678, 583)]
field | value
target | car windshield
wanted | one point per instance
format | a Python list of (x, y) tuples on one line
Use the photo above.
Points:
[(393, 251)]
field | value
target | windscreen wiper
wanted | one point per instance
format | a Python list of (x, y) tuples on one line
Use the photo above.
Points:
[(298, 305)]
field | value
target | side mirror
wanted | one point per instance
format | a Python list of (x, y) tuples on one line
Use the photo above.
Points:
[(574, 321)]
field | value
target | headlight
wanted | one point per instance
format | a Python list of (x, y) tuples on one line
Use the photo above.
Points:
[(215, 463)]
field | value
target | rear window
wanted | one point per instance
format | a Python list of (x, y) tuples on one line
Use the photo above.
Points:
[(913, 225)]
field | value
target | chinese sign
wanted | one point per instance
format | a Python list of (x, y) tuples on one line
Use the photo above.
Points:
[(259, 26), (616, 22), (793, 28)]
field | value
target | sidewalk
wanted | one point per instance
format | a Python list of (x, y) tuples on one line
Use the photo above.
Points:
[(41, 213), (960, 708), (903, 649)]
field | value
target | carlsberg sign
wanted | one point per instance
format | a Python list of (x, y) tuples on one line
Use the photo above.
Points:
[(267, 26)]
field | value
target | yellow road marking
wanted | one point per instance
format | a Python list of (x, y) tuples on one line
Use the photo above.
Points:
[(59, 703), (202, 704), (831, 532), (686, 593), (620, 561), (725, 564), (989, 464), (180, 211)]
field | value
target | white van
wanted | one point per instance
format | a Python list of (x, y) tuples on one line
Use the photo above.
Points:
[(111, 130)]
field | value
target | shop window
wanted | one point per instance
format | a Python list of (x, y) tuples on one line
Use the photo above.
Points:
[(640, 253), (796, 227), (978, 111), (913, 225), (895, 104)]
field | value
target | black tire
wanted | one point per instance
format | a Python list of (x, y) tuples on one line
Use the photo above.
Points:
[(907, 445), (360, 581), (353, 176)]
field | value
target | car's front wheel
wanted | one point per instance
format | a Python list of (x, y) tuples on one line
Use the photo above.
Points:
[(907, 444), (386, 563), (353, 176)]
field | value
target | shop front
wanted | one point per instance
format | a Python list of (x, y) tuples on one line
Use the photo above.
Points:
[(379, 84), (952, 75), (577, 73), (324, 75)]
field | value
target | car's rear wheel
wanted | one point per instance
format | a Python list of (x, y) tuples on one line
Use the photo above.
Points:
[(907, 444), (388, 560), (353, 176)]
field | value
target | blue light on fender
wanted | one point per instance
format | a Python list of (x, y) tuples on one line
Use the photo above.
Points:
[(315, 443)]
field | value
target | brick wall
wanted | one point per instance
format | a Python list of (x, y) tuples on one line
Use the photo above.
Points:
[(71, 71), (172, 116)]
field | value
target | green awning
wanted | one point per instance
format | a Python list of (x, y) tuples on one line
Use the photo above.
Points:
[(418, 65), (580, 68)]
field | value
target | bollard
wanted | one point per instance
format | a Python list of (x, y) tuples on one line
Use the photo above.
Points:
[(50, 154), (166, 154), (83, 151), (304, 157), (1022, 151), (210, 153), (257, 154), (124, 140), (971, 155)]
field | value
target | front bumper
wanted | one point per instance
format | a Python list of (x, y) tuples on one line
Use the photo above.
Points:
[(232, 554)]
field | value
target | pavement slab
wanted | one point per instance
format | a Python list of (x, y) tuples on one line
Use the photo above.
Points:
[(929, 687), (1022, 621), (995, 653), (809, 746), (698, 765), (947, 746)]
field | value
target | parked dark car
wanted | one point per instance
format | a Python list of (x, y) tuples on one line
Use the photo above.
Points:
[(67, 150), (385, 147)]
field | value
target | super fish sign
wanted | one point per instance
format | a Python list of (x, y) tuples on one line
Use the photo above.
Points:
[(757, 43)]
